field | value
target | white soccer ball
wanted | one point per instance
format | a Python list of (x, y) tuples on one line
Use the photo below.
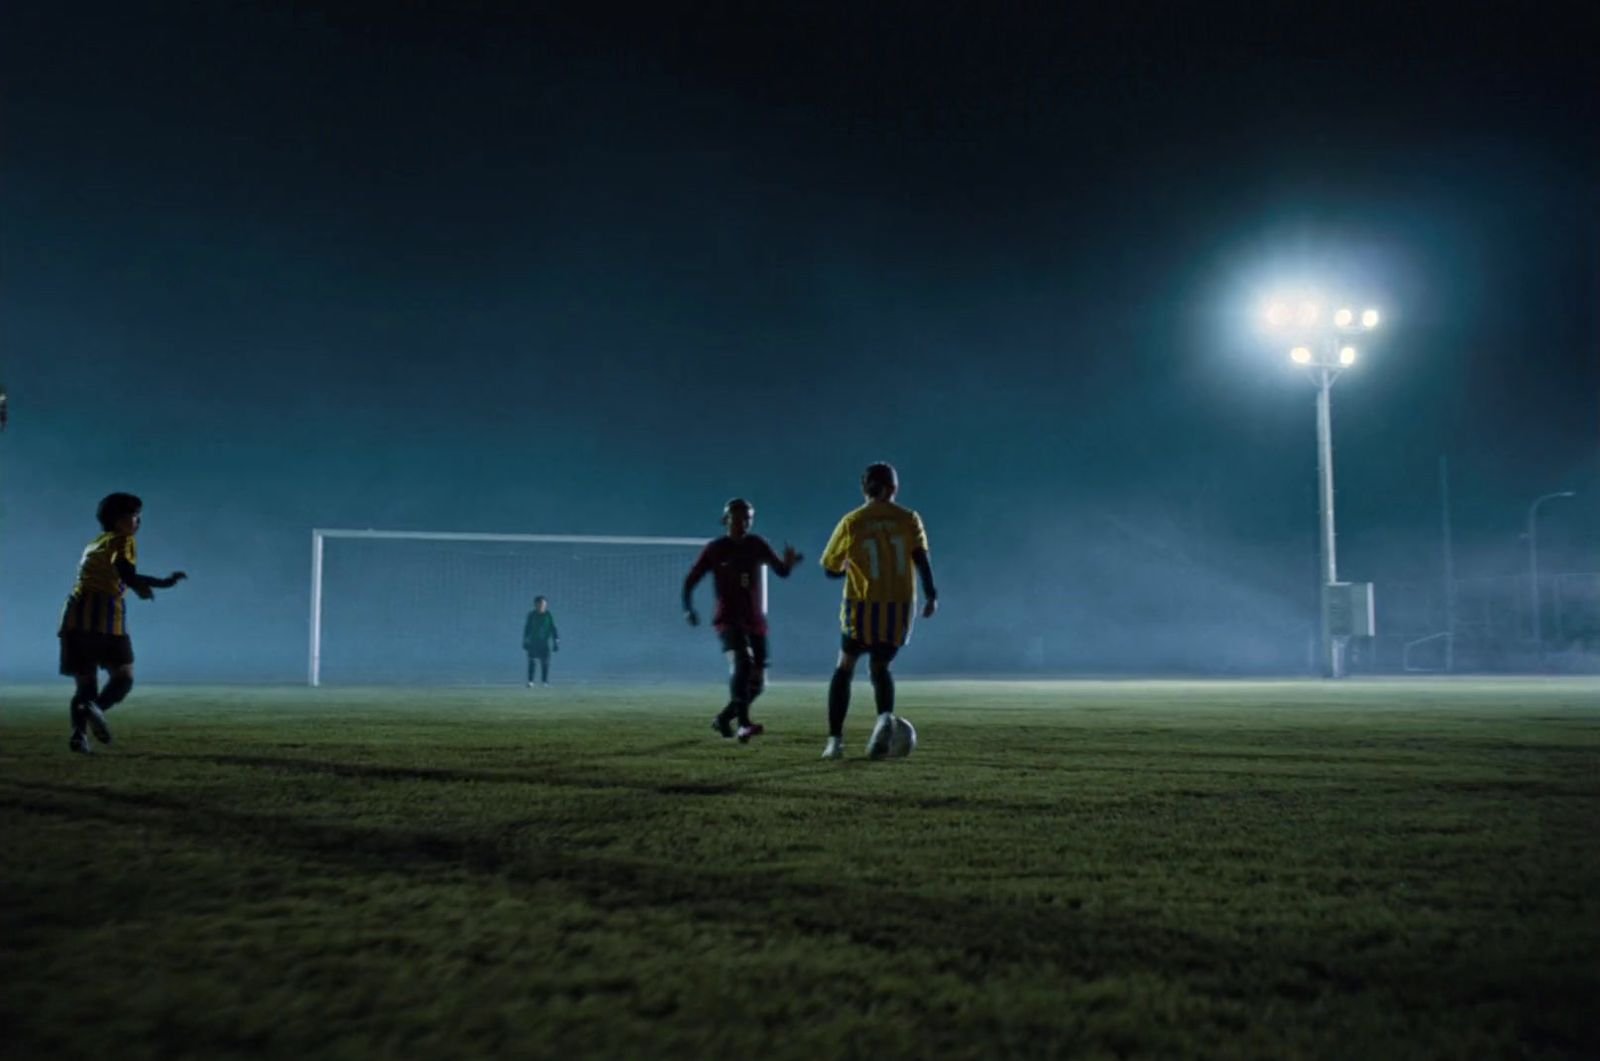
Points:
[(903, 741)]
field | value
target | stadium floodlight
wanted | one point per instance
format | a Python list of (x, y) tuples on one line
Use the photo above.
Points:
[(1324, 352)]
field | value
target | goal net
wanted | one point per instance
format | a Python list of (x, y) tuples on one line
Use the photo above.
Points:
[(436, 608)]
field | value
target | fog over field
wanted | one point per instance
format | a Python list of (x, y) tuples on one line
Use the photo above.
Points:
[(556, 273)]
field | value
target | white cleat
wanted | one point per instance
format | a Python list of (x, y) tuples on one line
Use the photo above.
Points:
[(834, 749), (882, 731), (97, 721)]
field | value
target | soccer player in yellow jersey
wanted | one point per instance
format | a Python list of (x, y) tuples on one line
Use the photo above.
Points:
[(94, 629), (874, 549)]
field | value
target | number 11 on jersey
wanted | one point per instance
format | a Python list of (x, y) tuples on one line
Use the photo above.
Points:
[(897, 545)]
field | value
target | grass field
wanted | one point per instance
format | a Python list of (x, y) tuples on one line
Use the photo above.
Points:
[(1094, 869)]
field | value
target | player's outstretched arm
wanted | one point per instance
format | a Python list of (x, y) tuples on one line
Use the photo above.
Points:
[(930, 595), (784, 564), (144, 585)]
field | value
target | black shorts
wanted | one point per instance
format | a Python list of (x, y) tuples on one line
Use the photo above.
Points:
[(882, 652), (82, 651), (736, 639)]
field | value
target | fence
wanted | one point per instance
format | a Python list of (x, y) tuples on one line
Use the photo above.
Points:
[(1494, 628)]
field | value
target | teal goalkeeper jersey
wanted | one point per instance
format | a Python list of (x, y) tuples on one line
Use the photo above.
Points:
[(539, 632)]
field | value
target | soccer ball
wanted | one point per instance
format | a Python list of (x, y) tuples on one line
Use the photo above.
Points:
[(903, 741)]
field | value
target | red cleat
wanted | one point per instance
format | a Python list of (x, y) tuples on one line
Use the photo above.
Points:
[(753, 729)]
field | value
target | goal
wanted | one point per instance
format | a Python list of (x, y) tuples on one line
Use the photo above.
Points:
[(448, 608)]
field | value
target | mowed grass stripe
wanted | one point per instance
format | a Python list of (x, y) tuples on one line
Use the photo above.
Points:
[(1115, 868)]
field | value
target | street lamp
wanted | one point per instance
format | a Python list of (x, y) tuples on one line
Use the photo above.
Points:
[(1322, 346), (1533, 563)]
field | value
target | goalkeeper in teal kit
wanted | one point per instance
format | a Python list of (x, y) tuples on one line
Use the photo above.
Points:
[(539, 639)]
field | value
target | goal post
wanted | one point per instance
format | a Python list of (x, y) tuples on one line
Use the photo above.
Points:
[(443, 606)]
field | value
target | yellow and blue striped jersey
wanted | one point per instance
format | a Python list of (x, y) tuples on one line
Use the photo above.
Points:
[(97, 605), (873, 547)]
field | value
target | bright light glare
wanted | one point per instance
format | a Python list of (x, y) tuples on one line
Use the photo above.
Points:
[(1301, 355), (1308, 313), (1344, 317), (1276, 314), (1347, 356), (1369, 318)]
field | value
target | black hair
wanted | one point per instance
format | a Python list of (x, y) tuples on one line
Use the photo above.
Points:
[(114, 506), (541, 597), (738, 503), (879, 480)]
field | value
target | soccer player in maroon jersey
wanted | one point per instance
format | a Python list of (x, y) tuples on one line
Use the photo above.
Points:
[(735, 561)]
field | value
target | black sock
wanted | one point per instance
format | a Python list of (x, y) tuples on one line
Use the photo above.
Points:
[(117, 688), (883, 690), (838, 701), (739, 689), (751, 692)]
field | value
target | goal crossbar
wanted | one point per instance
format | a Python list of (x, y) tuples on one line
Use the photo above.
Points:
[(319, 535)]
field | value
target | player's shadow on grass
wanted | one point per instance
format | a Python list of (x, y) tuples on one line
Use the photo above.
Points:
[(541, 773), (547, 774), (763, 782), (521, 852), (654, 750)]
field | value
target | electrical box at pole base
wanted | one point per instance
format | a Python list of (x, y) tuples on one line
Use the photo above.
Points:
[(1350, 609)]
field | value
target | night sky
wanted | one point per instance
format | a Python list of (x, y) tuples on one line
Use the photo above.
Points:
[(593, 271)]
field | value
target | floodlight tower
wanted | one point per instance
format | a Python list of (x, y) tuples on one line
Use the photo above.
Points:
[(1323, 344)]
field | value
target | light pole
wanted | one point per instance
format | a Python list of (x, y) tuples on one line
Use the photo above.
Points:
[(1533, 564), (1323, 347)]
